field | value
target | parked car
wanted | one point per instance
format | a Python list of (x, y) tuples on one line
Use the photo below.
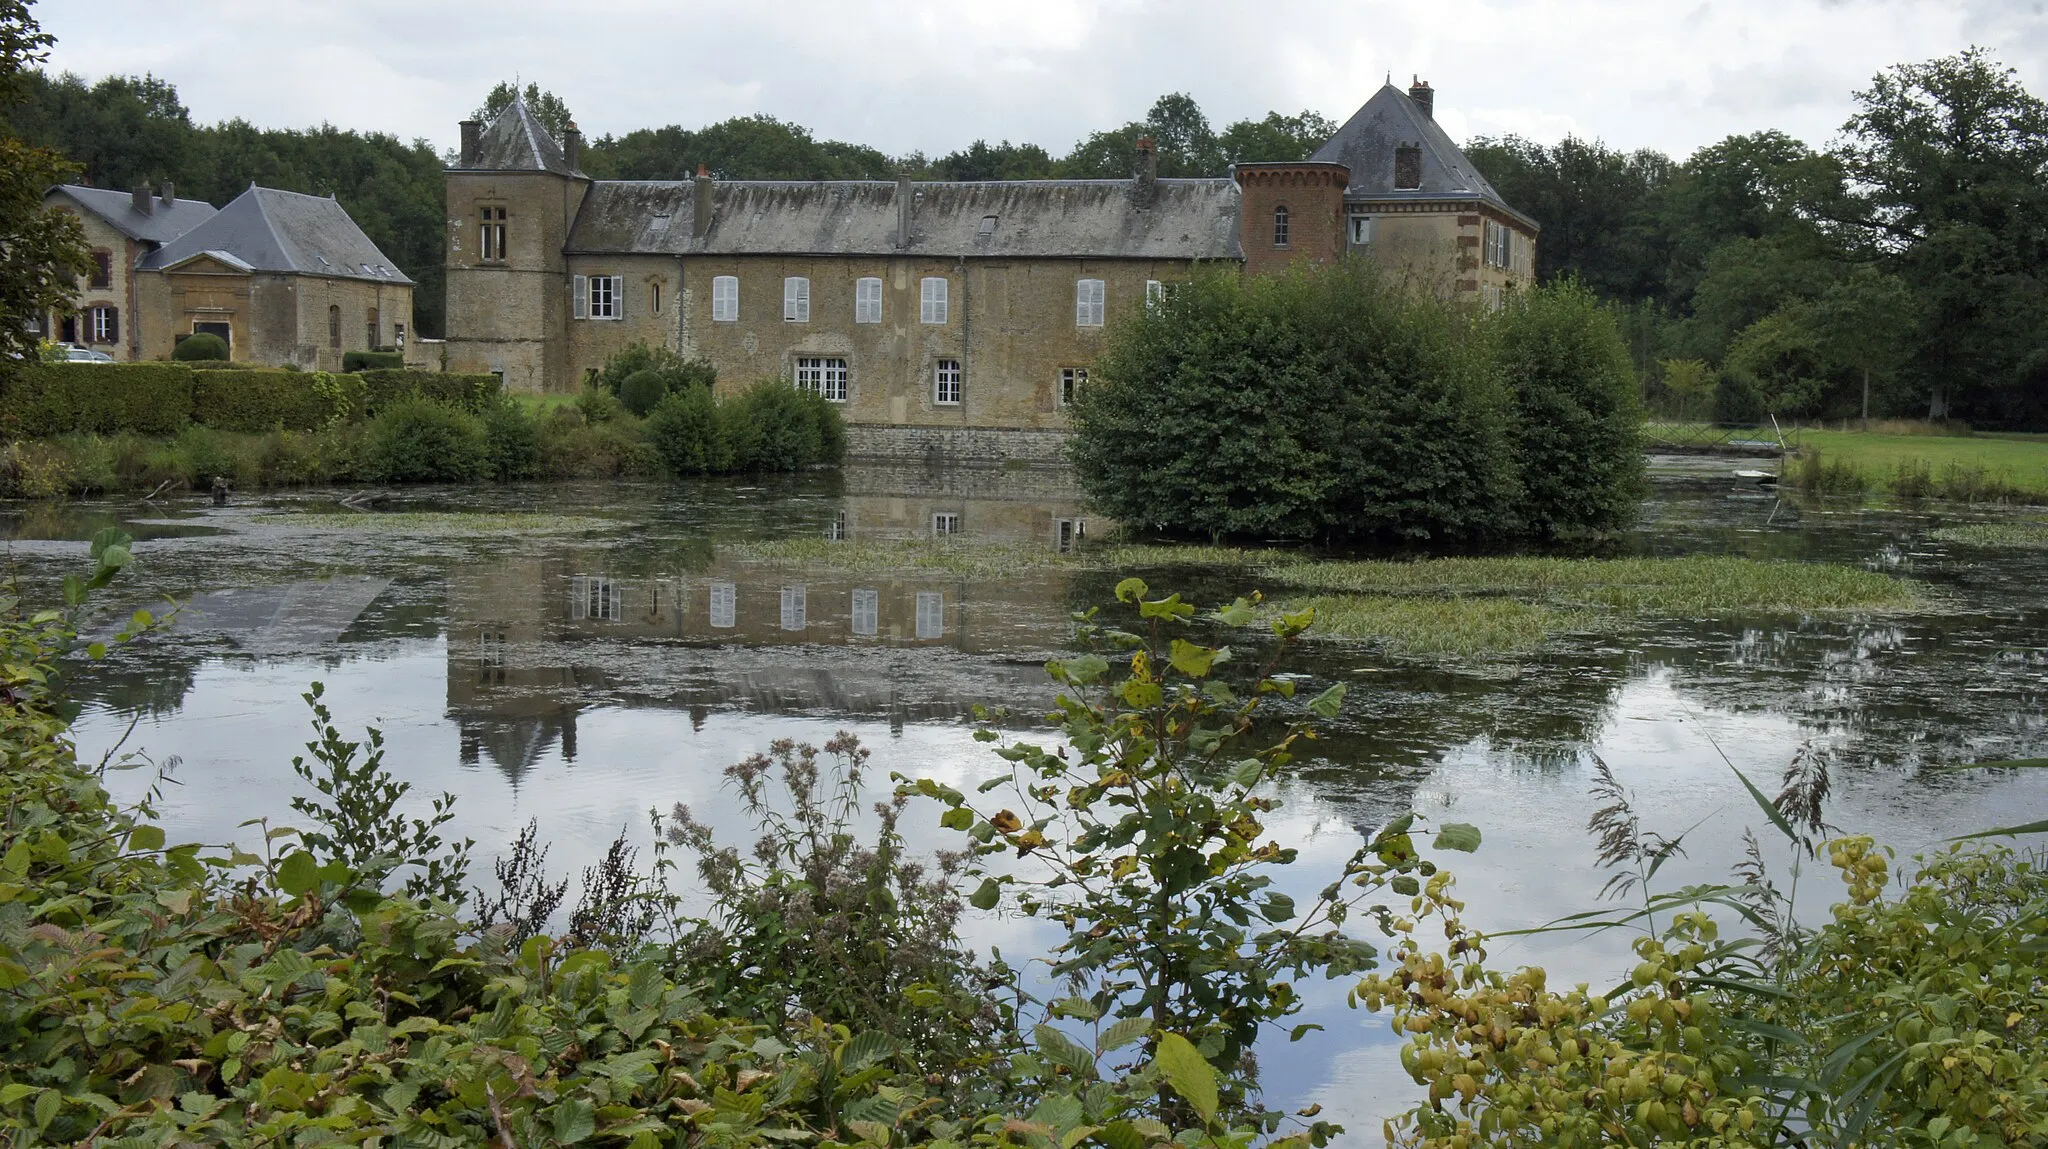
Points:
[(76, 354)]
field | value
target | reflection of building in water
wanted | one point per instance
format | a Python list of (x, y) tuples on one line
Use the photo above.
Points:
[(288, 619), (531, 635)]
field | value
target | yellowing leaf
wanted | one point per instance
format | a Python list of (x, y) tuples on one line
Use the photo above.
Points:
[(1188, 1072)]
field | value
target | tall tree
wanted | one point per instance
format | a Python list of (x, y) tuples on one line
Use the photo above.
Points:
[(1275, 139), (546, 107), (1949, 163), (44, 248), (1186, 146), (1595, 205)]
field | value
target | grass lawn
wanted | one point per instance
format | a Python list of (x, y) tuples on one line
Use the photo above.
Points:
[(540, 405), (2018, 462)]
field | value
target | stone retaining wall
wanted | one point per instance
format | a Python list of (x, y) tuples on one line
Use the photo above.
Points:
[(955, 446)]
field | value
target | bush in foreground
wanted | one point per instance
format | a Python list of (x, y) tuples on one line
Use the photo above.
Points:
[(417, 440)]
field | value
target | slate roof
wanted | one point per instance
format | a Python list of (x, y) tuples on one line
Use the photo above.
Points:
[(1366, 144), (1186, 219), (515, 142), (280, 231), (163, 223)]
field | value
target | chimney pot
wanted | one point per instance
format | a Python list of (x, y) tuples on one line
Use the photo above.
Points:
[(1145, 180), (905, 210), (572, 146), (700, 202), (472, 142), (140, 198), (1424, 97)]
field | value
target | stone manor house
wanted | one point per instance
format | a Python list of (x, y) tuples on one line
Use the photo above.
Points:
[(953, 320)]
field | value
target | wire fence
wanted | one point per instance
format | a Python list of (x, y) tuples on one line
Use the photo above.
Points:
[(1719, 438)]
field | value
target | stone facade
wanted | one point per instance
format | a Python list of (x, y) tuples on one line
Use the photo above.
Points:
[(174, 267)]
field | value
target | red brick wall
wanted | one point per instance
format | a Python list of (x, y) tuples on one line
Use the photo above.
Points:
[(1314, 197)]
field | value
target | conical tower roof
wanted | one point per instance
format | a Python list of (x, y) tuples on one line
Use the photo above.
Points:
[(1391, 119)]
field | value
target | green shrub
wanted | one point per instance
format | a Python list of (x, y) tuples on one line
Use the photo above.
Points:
[(372, 361), (642, 390), (687, 431), (776, 427), (598, 405), (96, 398), (1574, 423), (258, 400), (204, 454), (1323, 403), (420, 440), (675, 371), (292, 459), (200, 346), (573, 449), (514, 441)]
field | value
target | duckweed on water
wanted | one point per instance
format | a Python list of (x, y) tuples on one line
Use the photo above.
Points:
[(1413, 625), (1687, 585), (440, 522), (2028, 534)]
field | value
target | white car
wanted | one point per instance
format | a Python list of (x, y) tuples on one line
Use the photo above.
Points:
[(76, 354)]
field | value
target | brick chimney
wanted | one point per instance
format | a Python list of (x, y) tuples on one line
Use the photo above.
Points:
[(1424, 97), (572, 146), (700, 201), (168, 192), (906, 210), (472, 142), (1145, 178), (140, 198)]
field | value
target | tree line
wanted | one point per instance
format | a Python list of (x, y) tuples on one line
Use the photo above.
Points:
[(1895, 273)]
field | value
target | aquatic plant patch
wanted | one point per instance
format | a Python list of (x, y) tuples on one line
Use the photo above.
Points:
[(1417, 626), (2021, 533), (441, 522)]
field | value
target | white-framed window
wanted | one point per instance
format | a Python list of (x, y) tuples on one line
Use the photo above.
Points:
[(867, 611), (595, 598), (104, 322), (598, 297), (835, 530), (724, 605), (931, 300), (931, 614), (1359, 229), (1280, 226), (945, 523), (725, 299), (867, 300), (796, 299), (1088, 297), (1499, 243), (1155, 293), (1068, 533), (827, 377), (793, 607), (946, 382), (1072, 379)]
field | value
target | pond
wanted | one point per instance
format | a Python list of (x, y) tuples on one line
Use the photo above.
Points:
[(581, 654)]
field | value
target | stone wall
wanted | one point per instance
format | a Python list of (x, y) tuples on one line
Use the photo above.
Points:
[(957, 446)]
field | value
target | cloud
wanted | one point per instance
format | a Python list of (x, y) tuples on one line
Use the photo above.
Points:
[(934, 75)]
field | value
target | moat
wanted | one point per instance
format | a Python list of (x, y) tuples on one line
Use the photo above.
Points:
[(607, 649)]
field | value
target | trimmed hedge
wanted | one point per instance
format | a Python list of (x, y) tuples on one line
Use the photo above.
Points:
[(161, 399), (203, 345), (257, 400), (42, 401), (353, 361)]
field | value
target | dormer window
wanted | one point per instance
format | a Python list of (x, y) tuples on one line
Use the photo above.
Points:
[(1408, 167), (1280, 226)]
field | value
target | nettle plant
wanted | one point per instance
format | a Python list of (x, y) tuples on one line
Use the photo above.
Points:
[(1144, 837)]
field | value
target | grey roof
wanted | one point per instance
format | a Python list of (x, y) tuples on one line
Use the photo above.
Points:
[(163, 223), (1366, 144), (271, 230), (515, 142), (1186, 219)]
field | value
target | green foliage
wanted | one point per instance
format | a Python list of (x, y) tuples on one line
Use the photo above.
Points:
[(689, 430), (642, 390), (45, 246), (1689, 383), (773, 426), (1574, 425), (1321, 404), (1144, 831), (597, 405), (255, 401), (96, 398), (472, 393), (352, 361), (815, 920), (419, 440), (548, 108), (360, 827), (200, 346), (514, 440)]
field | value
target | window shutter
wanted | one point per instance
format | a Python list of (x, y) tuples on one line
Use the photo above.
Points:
[(618, 297), (579, 297)]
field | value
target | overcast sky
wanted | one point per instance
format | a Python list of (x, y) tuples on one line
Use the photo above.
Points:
[(907, 75)]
